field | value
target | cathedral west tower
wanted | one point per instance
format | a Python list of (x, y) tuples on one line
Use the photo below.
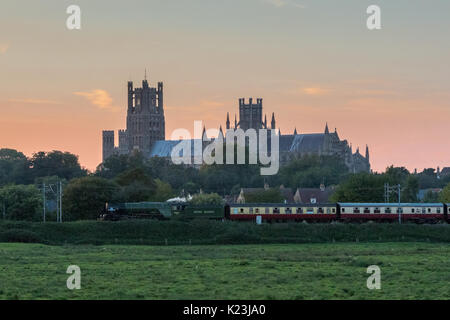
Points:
[(145, 121)]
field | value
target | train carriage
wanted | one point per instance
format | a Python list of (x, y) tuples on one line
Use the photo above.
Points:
[(283, 212), (418, 212)]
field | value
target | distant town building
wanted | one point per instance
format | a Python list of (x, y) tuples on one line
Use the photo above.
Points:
[(313, 195), (301, 195)]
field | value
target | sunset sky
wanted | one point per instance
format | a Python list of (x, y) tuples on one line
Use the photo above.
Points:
[(312, 62)]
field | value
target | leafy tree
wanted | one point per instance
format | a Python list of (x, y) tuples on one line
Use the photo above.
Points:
[(84, 198), (163, 191), (221, 178), (429, 172), (431, 197), (14, 167), (113, 166), (65, 165), (203, 199), (176, 175), (264, 196), (361, 187), (21, 202), (444, 181), (135, 175), (444, 196), (411, 189), (396, 175), (236, 189), (117, 164), (311, 170), (136, 184), (136, 192), (190, 188)]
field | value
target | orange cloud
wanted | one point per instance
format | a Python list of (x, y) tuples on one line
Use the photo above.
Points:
[(314, 91), (99, 98), (4, 47)]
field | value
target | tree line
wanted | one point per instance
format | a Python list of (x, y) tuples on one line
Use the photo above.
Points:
[(134, 178)]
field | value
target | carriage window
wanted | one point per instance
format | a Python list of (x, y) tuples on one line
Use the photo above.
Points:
[(333, 210), (250, 210), (288, 210), (356, 210), (438, 210), (366, 210), (276, 210), (267, 211), (299, 210), (429, 210), (343, 209), (328, 210), (399, 210), (412, 210), (320, 210), (424, 210), (242, 210), (377, 210), (257, 210), (310, 210), (387, 210)]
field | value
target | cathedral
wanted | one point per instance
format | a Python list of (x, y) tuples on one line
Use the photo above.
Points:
[(299, 144), (145, 132)]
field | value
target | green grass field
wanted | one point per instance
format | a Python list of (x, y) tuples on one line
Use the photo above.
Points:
[(270, 271)]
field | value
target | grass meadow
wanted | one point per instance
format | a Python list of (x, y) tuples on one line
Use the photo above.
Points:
[(409, 270)]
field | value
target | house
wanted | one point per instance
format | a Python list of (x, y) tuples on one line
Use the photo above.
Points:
[(301, 195), (313, 195)]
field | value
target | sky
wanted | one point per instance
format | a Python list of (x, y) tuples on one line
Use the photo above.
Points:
[(312, 62)]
